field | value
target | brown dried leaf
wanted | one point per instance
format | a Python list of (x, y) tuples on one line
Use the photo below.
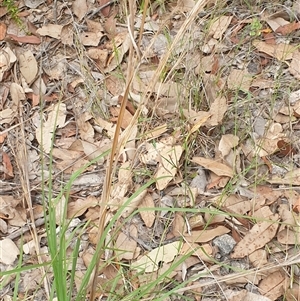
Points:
[(79, 207), (25, 39), (115, 111), (125, 246), (281, 52), (217, 110), (7, 166), (272, 286), (292, 177), (106, 10), (148, 216), (51, 30), (202, 251), (80, 8), (6, 116), (239, 79), (3, 29), (219, 26), (261, 233), (218, 168), (294, 66), (67, 35), (288, 28)]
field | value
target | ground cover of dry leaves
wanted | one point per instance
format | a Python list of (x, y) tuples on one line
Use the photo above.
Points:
[(208, 152)]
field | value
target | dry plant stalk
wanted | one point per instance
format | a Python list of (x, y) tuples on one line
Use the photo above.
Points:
[(117, 145), (21, 156)]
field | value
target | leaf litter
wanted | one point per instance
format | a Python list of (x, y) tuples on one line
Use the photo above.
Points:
[(216, 137)]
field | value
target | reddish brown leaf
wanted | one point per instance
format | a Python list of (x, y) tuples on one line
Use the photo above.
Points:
[(288, 28), (106, 10), (269, 38), (7, 167), (2, 137), (3, 28), (25, 39), (285, 149)]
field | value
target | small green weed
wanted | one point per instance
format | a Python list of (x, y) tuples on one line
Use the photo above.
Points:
[(13, 11)]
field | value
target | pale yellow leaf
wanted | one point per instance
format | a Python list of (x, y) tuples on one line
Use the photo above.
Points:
[(6, 116), (45, 131), (28, 66), (227, 143), (8, 251), (167, 169), (60, 207), (218, 168), (150, 262), (205, 235)]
